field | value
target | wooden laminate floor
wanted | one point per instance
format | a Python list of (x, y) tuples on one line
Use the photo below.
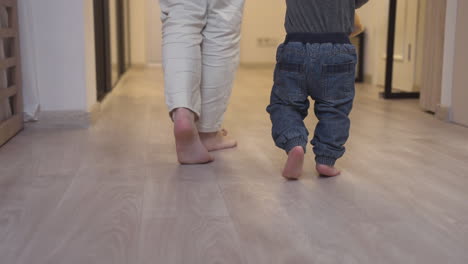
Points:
[(114, 193)]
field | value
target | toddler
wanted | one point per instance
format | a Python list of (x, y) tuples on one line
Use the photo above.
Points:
[(316, 60)]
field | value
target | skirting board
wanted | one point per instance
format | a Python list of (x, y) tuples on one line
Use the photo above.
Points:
[(258, 65), (139, 66), (68, 119), (443, 113), (368, 78), (63, 119)]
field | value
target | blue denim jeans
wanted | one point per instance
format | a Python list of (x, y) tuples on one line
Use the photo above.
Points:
[(326, 73)]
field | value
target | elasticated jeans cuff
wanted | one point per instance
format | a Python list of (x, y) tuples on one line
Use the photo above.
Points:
[(325, 160), (299, 141)]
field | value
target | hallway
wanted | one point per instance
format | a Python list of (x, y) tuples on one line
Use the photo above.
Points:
[(114, 193)]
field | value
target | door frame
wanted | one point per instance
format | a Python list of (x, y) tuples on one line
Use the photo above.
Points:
[(102, 46)]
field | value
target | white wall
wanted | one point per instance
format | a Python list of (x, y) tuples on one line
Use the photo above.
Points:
[(263, 19), (60, 62)]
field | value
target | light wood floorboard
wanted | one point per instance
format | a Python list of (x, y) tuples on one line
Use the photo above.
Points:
[(114, 193)]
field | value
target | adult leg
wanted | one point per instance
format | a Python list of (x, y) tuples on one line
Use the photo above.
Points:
[(183, 22), (220, 59)]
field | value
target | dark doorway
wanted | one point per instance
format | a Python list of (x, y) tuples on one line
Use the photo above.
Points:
[(110, 20)]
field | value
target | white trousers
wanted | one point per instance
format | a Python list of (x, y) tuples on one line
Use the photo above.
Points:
[(201, 45)]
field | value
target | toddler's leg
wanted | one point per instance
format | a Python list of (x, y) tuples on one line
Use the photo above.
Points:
[(331, 134), (332, 108), (288, 108), (293, 168)]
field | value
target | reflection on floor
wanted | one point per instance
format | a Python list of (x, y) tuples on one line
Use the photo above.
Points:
[(115, 194)]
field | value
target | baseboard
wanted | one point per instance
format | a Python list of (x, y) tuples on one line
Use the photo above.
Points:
[(154, 65), (266, 65), (139, 66), (94, 113), (443, 113), (368, 78), (68, 119)]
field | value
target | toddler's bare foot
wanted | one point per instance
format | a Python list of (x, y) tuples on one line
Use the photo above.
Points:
[(327, 171), (293, 168), (190, 149), (217, 140)]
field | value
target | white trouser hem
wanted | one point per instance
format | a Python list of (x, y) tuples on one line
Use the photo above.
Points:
[(208, 129), (171, 112)]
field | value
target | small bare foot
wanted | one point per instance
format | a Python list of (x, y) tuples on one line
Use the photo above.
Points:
[(327, 171), (293, 168), (190, 149), (217, 140)]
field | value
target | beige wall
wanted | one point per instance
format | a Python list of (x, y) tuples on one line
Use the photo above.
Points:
[(154, 36), (145, 32), (138, 9), (460, 76), (374, 17), (420, 43), (262, 31)]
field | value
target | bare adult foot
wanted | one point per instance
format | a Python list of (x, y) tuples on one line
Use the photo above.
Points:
[(190, 149), (217, 140), (327, 171), (294, 165)]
